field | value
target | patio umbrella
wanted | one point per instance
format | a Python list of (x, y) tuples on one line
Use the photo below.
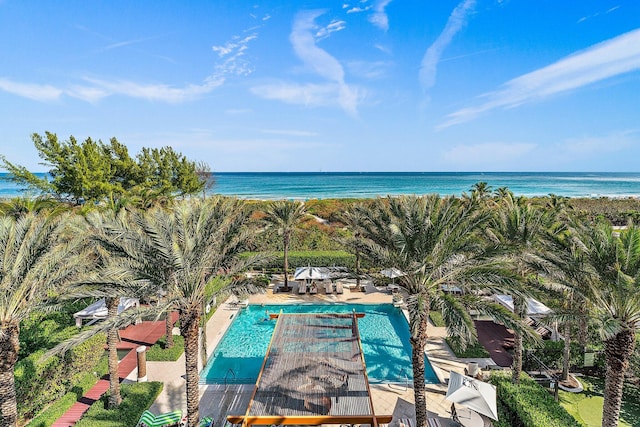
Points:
[(392, 273), (310, 273), (474, 394)]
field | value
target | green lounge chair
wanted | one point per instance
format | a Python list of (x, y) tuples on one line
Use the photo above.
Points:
[(149, 419), (206, 422)]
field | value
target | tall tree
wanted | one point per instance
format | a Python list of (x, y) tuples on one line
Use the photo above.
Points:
[(615, 262), (92, 171), (201, 242), (286, 216), (516, 228), (434, 241), (37, 259)]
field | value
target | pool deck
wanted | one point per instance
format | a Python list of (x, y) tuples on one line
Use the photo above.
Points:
[(219, 401)]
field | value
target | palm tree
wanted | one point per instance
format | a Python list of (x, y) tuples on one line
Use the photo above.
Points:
[(286, 216), (516, 229), (200, 241), (615, 263), (353, 218), (37, 259), (434, 241)]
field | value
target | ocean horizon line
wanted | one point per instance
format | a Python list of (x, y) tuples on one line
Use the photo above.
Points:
[(328, 185)]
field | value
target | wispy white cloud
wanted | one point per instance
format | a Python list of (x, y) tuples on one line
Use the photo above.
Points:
[(125, 43), (584, 18), (607, 59), (238, 111), (289, 132), (266, 17), (156, 92), (456, 21), (87, 93), (318, 61), (369, 70), (334, 26), (486, 156), (232, 54), (29, 90), (379, 17)]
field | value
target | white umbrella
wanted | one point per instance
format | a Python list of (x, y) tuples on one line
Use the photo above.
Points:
[(474, 394), (392, 273), (310, 273)]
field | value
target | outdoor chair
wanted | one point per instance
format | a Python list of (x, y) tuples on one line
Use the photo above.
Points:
[(149, 419), (433, 422), (302, 289), (328, 288), (339, 289)]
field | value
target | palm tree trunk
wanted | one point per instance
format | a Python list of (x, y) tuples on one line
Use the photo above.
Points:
[(516, 366), (203, 337), (190, 322), (286, 260), (617, 352), (358, 269), (583, 332), (112, 343), (418, 340), (168, 325), (9, 346), (566, 355)]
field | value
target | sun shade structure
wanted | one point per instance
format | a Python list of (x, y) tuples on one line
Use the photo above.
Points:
[(98, 310), (474, 394), (311, 273), (313, 373), (534, 307)]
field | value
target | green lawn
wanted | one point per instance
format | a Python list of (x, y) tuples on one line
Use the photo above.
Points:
[(586, 407)]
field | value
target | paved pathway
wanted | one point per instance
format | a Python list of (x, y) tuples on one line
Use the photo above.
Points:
[(145, 333)]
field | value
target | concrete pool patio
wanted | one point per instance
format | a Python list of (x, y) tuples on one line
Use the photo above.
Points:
[(219, 401)]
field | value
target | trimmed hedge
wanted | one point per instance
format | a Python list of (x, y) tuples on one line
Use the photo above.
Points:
[(59, 407), (313, 258), (527, 404), (158, 352), (136, 398), (38, 383)]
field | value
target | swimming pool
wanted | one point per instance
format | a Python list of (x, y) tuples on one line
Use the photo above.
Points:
[(384, 333)]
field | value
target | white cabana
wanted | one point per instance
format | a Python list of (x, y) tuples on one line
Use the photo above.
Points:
[(534, 307), (476, 395), (98, 310)]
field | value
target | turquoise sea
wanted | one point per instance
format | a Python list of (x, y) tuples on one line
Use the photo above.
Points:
[(323, 185)]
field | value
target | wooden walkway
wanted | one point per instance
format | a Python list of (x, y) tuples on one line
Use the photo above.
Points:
[(145, 333), (494, 338)]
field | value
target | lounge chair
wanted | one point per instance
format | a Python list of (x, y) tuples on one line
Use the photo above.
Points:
[(433, 422), (149, 419), (328, 288), (302, 288), (339, 289)]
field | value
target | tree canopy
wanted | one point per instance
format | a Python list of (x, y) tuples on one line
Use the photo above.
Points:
[(94, 171)]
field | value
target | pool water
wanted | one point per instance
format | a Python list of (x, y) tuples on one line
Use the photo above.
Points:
[(384, 333)]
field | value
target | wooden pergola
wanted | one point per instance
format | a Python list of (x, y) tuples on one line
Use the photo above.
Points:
[(313, 373)]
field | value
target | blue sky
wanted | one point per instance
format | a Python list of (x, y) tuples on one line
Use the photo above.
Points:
[(366, 85)]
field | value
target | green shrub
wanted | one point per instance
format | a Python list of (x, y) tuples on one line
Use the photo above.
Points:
[(529, 405), (313, 258), (436, 319), (40, 382), (471, 352), (159, 353), (60, 406), (136, 398)]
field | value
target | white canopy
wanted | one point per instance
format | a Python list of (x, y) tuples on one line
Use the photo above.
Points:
[(311, 273), (392, 273), (534, 307), (98, 310), (474, 394)]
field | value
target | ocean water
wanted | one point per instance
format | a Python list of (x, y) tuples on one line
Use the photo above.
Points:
[(324, 185)]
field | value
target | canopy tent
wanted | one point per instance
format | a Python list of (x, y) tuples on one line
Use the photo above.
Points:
[(98, 310), (534, 307), (313, 373), (474, 394), (392, 273), (311, 273)]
